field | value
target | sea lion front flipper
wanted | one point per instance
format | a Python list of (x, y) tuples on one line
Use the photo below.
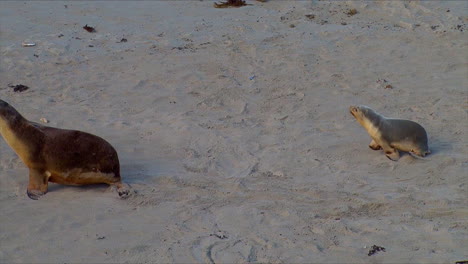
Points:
[(373, 145), (38, 184)]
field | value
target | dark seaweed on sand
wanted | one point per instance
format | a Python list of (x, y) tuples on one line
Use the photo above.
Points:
[(375, 249), (230, 3), (18, 88), (89, 29)]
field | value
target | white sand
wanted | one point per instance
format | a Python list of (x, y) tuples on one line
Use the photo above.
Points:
[(232, 126)]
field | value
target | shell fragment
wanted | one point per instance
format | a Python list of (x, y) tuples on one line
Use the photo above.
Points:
[(28, 44)]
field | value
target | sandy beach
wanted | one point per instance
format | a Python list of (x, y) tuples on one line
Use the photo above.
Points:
[(233, 130)]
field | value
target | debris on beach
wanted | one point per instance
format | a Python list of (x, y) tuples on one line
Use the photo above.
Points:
[(44, 120), (122, 40), (462, 262), (89, 29), (374, 249), (28, 44), (230, 3), (460, 27), (310, 16), (220, 235), (352, 12), (18, 88), (382, 83)]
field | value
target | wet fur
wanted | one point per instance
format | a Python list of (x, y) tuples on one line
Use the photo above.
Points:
[(58, 155), (392, 134)]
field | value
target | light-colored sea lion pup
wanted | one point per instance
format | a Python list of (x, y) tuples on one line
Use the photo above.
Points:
[(58, 155), (392, 135)]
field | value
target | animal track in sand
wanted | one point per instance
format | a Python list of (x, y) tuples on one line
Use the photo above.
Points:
[(219, 247)]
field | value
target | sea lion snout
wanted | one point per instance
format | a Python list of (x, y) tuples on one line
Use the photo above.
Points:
[(353, 110), (3, 105)]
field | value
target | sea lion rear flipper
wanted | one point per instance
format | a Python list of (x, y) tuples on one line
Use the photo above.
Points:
[(392, 154), (123, 189), (38, 184)]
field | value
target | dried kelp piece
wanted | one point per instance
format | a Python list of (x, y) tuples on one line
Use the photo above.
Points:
[(28, 44), (222, 236), (89, 29), (352, 12), (374, 249), (230, 3), (18, 88)]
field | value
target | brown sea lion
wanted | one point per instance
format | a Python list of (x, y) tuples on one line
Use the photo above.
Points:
[(58, 155), (392, 135)]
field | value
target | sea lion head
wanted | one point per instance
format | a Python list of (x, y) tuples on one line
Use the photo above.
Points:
[(354, 110), (3, 105), (8, 113), (368, 118), (361, 112)]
